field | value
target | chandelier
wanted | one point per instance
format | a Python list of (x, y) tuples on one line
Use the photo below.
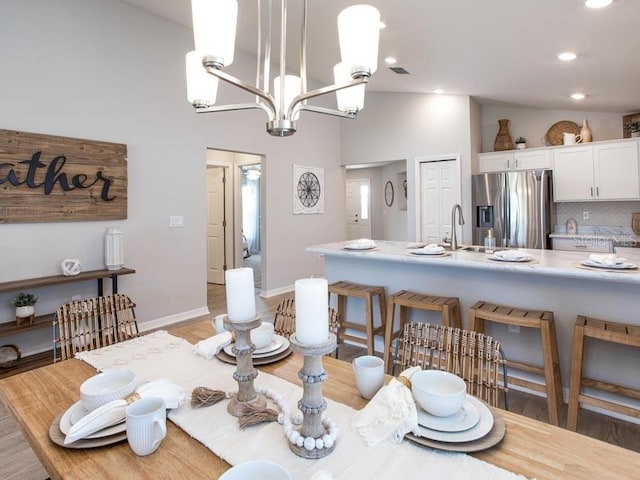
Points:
[(214, 28)]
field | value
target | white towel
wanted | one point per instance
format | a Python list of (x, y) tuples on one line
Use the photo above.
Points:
[(211, 346), (114, 412), (362, 244), (511, 255), (606, 259), (433, 248)]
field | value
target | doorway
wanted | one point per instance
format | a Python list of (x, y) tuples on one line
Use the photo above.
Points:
[(358, 202), (438, 190), (234, 192)]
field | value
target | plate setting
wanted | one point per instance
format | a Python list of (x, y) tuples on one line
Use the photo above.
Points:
[(464, 419), (278, 345), (479, 430), (617, 266)]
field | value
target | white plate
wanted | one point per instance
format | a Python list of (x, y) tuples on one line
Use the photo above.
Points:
[(358, 246), (465, 418), (618, 266), (422, 251), (281, 344), (519, 259), (76, 412), (483, 427)]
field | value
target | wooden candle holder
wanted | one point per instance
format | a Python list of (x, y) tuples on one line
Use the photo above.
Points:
[(312, 403), (245, 373)]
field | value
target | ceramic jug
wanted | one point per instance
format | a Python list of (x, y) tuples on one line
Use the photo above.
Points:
[(585, 132), (571, 138)]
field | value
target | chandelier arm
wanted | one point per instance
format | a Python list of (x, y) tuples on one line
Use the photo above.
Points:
[(321, 91), (328, 111), (303, 48), (283, 55), (245, 86), (235, 106)]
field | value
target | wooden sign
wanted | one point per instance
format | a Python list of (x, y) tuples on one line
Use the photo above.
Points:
[(44, 178)]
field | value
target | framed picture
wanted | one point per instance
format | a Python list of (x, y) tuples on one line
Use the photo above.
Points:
[(308, 190), (388, 193)]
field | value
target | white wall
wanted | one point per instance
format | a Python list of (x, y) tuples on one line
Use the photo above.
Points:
[(394, 220), (533, 123), (104, 70)]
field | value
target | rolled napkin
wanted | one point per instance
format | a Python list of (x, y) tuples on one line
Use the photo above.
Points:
[(433, 248), (211, 346), (511, 255), (606, 259), (390, 414), (114, 412), (362, 243)]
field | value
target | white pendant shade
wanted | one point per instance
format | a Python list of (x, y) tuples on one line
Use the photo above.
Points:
[(350, 100), (202, 88), (359, 32), (292, 88), (214, 28)]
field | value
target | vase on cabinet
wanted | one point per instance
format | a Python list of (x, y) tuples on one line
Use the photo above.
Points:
[(585, 132), (503, 138)]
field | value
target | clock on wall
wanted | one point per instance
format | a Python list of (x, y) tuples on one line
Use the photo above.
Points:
[(388, 193)]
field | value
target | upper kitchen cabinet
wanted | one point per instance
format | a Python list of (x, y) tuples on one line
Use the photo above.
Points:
[(531, 159), (603, 171)]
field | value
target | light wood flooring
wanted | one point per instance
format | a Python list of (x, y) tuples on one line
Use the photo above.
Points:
[(18, 462)]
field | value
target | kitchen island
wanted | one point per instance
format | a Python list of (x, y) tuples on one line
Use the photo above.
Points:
[(551, 280)]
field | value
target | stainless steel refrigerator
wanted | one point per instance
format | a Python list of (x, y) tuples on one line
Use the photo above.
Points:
[(518, 206)]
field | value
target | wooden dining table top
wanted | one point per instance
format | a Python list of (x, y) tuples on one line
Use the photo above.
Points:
[(35, 398)]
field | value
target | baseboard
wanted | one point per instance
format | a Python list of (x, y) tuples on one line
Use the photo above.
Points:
[(172, 319), (276, 291)]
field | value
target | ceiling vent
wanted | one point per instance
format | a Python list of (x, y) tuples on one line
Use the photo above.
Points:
[(399, 70)]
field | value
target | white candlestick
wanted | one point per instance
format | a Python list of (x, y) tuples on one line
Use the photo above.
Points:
[(312, 311), (241, 299)]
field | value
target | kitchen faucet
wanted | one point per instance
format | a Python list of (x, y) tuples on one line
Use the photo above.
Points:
[(454, 238)]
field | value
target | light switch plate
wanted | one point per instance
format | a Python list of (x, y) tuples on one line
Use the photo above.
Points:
[(176, 221)]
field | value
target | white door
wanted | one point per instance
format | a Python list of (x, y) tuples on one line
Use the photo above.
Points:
[(358, 195), (215, 225), (439, 191)]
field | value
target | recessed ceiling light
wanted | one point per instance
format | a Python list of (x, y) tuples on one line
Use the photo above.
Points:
[(567, 56), (598, 3), (578, 96), (438, 91), (390, 60)]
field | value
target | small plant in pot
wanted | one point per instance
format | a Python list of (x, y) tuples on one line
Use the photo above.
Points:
[(24, 303), (521, 143)]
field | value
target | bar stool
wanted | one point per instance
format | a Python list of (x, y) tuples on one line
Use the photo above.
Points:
[(449, 307), (541, 320), (608, 332), (343, 290)]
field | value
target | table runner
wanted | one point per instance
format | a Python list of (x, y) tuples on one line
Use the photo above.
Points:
[(161, 355)]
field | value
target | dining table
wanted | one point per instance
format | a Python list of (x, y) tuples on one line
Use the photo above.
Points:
[(531, 448)]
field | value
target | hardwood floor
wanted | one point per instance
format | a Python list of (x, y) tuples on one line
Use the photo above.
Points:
[(18, 462)]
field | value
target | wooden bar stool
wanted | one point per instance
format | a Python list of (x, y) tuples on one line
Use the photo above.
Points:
[(449, 307), (343, 290), (608, 332), (550, 370)]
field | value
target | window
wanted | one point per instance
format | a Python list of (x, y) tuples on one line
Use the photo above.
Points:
[(364, 202)]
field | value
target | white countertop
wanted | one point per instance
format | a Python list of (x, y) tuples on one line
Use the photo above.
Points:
[(543, 262)]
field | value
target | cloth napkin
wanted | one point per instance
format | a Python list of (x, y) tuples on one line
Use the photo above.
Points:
[(433, 248), (511, 255), (389, 415), (114, 412), (606, 259), (362, 243), (211, 346)]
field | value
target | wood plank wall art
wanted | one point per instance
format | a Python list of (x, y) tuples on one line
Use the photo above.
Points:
[(45, 178)]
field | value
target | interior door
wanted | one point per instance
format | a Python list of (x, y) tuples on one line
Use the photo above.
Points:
[(440, 190), (358, 200), (215, 225)]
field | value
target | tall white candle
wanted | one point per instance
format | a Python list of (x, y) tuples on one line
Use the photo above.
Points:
[(312, 311), (241, 299)]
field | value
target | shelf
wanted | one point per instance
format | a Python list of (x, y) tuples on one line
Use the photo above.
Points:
[(26, 284), (28, 363), (12, 328)]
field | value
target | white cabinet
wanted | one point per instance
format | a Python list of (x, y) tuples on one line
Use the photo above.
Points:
[(514, 160), (586, 244), (607, 171)]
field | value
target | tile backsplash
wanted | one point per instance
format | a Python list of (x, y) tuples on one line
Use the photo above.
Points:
[(613, 214)]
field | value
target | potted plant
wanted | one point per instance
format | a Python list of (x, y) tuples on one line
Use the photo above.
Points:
[(24, 303), (521, 143)]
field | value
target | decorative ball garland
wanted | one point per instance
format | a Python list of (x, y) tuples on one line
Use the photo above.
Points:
[(285, 419)]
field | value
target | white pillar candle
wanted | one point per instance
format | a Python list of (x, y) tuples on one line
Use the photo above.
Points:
[(312, 311), (241, 299)]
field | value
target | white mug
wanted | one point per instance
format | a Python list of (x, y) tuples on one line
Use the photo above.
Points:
[(218, 323), (146, 425), (369, 371), (571, 138)]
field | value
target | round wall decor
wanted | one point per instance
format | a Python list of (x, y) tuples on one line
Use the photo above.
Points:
[(388, 193)]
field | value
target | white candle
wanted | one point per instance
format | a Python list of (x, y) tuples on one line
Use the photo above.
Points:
[(241, 299), (312, 311)]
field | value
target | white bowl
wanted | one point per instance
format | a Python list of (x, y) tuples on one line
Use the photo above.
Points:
[(258, 470), (438, 393), (106, 387), (262, 335)]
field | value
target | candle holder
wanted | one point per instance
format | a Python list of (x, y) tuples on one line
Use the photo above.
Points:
[(313, 431), (245, 373)]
